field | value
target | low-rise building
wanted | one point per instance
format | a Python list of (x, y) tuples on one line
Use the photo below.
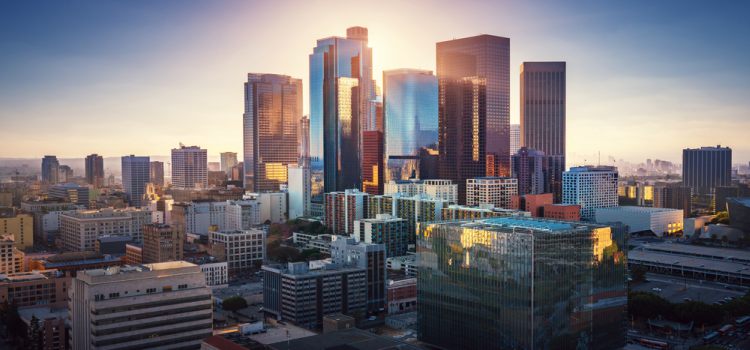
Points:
[(217, 274), (245, 249), (660, 221), (53, 333), (79, 230), (72, 262), (19, 225), (567, 212), (162, 243), (384, 229), (402, 295), (11, 258), (133, 254), (497, 191), (346, 251), (36, 288), (164, 305), (70, 192)]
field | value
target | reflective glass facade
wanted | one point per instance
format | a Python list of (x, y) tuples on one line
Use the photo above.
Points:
[(273, 109), (341, 91), (484, 58), (410, 103), (516, 283)]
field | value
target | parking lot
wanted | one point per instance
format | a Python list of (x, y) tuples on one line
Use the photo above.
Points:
[(676, 289)]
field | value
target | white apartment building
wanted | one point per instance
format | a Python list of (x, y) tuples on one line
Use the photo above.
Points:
[(164, 305), (497, 191), (189, 167), (660, 221), (444, 190), (244, 248), (217, 274), (299, 190), (591, 187), (273, 206), (198, 217), (80, 229)]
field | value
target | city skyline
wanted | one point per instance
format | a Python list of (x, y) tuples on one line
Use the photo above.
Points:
[(612, 70)]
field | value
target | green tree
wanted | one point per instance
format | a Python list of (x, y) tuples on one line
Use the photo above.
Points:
[(234, 303), (648, 305), (638, 273)]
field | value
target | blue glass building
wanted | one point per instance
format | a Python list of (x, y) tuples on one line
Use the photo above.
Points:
[(520, 283), (341, 88), (136, 172), (410, 108)]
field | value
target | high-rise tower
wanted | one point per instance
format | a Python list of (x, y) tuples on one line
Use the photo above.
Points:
[(95, 170)]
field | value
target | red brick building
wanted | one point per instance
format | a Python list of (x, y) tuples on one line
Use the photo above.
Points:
[(568, 212)]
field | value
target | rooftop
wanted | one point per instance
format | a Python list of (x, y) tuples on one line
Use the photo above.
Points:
[(636, 209), (530, 224), (698, 251), (42, 313), (699, 263), (351, 339)]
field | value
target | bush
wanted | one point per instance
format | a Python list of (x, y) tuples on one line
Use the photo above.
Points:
[(234, 303)]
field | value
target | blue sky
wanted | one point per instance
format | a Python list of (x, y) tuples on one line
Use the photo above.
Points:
[(645, 78)]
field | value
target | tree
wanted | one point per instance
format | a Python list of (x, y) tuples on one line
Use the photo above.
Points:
[(234, 303), (648, 305), (638, 274)]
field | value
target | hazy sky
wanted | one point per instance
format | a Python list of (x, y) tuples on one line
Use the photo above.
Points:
[(645, 78)]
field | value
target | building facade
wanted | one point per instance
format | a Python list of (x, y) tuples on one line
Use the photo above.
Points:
[(273, 108), (384, 229), (444, 190), (343, 208), (18, 225), (346, 251), (50, 169), (136, 173), (512, 283), (79, 230), (164, 305), (372, 162), (245, 249), (70, 192), (228, 160), (497, 191), (515, 139), (543, 120), (156, 173), (474, 108), (410, 107), (162, 243), (591, 187), (299, 191), (11, 258), (95, 170), (189, 167), (705, 168), (660, 221)]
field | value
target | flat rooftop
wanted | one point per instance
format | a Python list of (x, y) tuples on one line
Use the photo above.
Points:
[(351, 339), (698, 251), (710, 265), (529, 224), (636, 209)]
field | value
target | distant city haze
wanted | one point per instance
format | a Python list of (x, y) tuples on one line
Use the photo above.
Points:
[(644, 79)]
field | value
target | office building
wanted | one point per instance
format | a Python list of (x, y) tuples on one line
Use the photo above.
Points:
[(112, 245), (474, 108), (161, 243), (543, 120), (384, 229), (53, 333), (79, 230), (341, 88), (372, 162), (273, 206), (228, 160), (163, 305), (674, 196), (303, 136), (273, 108), (529, 168), (199, 217), (70, 192), (95, 170), (346, 251), (566, 212), (19, 225), (705, 168), (244, 249), (497, 191), (136, 172), (532, 203), (444, 190), (410, 114), (722, 193), (515, 140), (343, 208), (217, 274), (660, 221), (520, 283), (413, 209), (591, 187), (189, 167), (50, 169), (299, 191), (739, 213), (297, 294), (65, 174), (11, 258), (401, 295), (40, 287), (156, 173)]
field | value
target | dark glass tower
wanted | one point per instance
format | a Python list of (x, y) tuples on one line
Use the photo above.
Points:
[(341, 89), (411, 120), (50, 169), (705, 168), (517, 283), (273, 109), (95, 170), (473, 108), (543, 116)]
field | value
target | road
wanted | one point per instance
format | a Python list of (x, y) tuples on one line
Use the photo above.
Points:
[(676, 289)]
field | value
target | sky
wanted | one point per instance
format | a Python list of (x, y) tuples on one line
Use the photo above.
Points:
[(645, 78)]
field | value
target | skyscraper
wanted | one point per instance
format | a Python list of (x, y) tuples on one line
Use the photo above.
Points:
[(50, 169), (705, 168), (95, 170), (410, 120), (303, 137), (135, 176), (372, 162), (273, 109), (162, 243), (228, 160), (528, 168), (515, 138), (520, 283), (156, 173), (590, 187), (341, 89), (543, 116), (189, 167), (474, 108)]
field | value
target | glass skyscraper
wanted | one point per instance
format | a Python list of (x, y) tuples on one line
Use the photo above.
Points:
[(518, 283), (273, 109), (705, 168), (135, 175), (474, 108), (50, 169), (410, 103), (341, 88), (543, 117), (95, 170)]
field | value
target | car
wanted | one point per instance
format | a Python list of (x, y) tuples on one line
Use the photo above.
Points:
[(372, 318), (687, 300), (656, 289)]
